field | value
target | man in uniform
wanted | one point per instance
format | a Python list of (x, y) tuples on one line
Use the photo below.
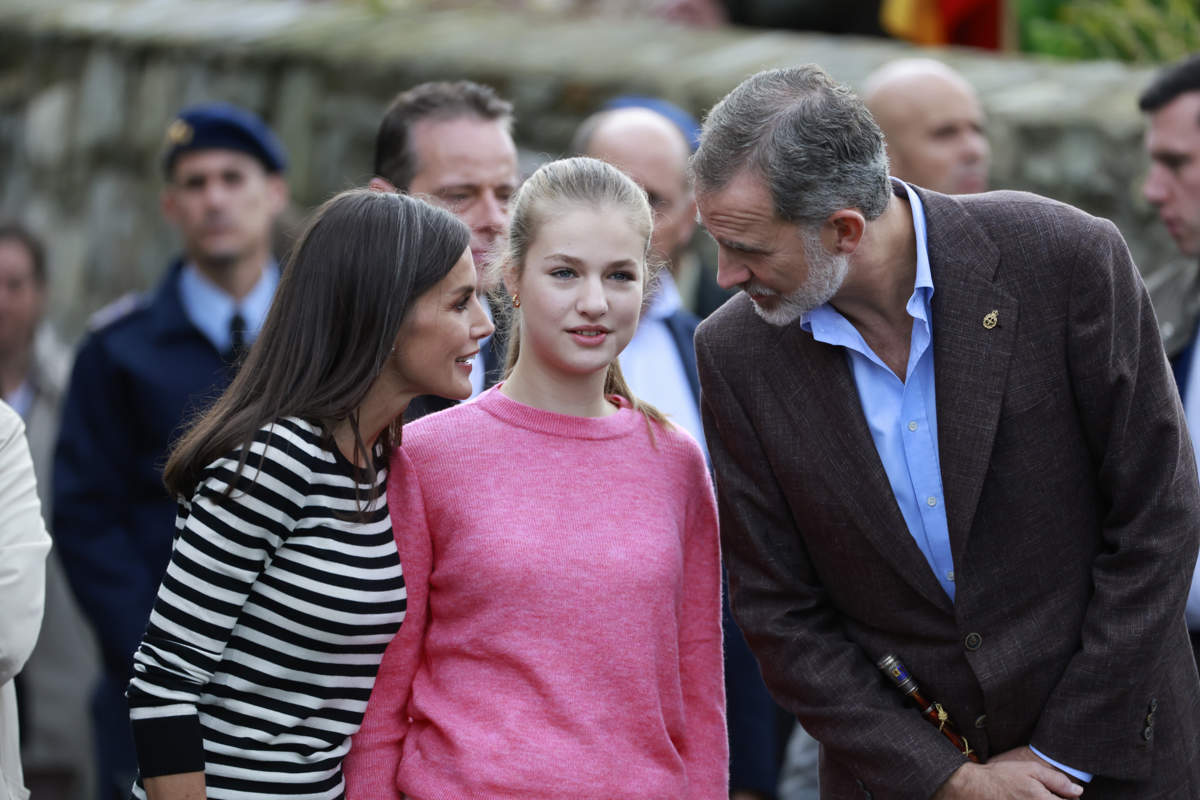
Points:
[(149, 365), (944, 431), (451, 143), (1172, 104)]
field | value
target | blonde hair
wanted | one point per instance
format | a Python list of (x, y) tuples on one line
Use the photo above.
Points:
[(565, 184)]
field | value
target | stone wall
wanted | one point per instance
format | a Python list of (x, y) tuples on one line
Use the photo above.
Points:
[(87, 88)]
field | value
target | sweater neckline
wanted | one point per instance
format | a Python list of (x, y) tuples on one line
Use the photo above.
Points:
[(505, 409)]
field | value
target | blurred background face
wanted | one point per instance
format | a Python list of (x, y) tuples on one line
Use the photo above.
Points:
[(468, 166), (935, 132), (21, 297), (1173, 182), (651, 150), (224, 204)]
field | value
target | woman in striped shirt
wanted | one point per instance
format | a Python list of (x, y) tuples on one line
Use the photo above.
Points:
[(284, 585)]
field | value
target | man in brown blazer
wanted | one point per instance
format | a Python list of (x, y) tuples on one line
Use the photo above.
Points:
[(944, 429)]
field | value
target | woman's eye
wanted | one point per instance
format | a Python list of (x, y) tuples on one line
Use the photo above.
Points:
[(624, 276), (562, 273)]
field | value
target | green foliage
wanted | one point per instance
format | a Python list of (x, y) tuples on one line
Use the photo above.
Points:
[(1127, 30)]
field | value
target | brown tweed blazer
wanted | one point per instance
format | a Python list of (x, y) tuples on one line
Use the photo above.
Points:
[(1072, 501)]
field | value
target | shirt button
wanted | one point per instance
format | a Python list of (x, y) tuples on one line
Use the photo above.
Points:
[(981, 721), (1148, 733), (973, 641), (932, 501), (950, 575), (912, 426)]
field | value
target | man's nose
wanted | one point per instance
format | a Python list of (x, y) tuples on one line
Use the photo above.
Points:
[(1155, 189), (491, 213), (977, 147), (730, 271)]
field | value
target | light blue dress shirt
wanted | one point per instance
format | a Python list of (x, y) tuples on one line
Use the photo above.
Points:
[(902, 414), (653, 367), (210, 309), (902, 417)]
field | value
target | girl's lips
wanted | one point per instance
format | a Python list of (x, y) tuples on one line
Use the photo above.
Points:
[(588, 337)]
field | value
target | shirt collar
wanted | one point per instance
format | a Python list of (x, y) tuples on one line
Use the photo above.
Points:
[(822, 319), (210, 308), (664, 298)]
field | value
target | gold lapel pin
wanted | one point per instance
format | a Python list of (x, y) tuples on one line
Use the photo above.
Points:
[(991, 318)]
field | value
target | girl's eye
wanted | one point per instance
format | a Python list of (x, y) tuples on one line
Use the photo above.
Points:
[(624, 276), (562, 272)]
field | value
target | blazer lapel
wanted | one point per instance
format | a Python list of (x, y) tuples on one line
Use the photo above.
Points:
[(974, 329), (827, 409)]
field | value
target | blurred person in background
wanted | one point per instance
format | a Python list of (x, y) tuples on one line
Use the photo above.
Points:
[(59, 677), (660, 366), (933, 125), (451, 143), (1172, 105), (148, 365), (24, 544)]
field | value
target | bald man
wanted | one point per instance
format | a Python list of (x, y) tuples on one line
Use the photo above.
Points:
[(933, 125)]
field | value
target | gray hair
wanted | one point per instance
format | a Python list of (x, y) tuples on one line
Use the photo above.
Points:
[(811, 138)]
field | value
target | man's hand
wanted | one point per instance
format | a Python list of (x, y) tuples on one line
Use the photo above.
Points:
[(1017, 774)]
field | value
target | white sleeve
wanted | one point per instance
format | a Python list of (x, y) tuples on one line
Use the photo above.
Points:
[(23, 547)]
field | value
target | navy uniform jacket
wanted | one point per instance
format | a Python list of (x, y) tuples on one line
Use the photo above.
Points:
[(137, 379)]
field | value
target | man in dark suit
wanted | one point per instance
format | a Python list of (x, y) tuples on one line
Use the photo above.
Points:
[(451, 143), (943, 429), (1172, 105)]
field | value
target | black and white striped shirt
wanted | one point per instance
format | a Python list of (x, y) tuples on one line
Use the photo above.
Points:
[(270, 622)]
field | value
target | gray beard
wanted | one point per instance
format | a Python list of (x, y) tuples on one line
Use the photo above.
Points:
[(826, 271)]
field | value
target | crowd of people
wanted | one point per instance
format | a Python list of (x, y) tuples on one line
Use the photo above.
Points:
[(426, 509)]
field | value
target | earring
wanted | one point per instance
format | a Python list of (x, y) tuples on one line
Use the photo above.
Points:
[(516, 300)]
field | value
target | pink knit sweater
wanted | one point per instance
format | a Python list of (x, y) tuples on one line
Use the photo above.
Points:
[(563, 637)]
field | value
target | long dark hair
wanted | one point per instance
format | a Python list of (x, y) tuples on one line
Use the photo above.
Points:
[(363, 260)]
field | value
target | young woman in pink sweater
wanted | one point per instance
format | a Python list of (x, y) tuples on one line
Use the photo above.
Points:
[(559, 542)]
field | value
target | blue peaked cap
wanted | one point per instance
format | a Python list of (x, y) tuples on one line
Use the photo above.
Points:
[(221, 126)]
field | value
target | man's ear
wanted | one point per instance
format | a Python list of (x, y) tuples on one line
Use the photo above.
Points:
[(688, 228), (278, 187), (378, 184), (166, 204), (843, 230)]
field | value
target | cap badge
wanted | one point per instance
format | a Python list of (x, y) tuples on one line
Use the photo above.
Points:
[(179, 133)]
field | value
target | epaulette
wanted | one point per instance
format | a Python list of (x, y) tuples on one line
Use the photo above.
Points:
[(123, 306)]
